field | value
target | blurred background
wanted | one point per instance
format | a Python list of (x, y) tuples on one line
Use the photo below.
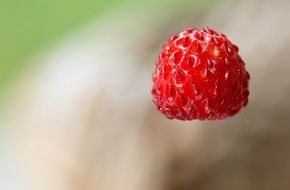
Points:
[(76, 110)]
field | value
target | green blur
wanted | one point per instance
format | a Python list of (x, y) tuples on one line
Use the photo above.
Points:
[(28, 26)]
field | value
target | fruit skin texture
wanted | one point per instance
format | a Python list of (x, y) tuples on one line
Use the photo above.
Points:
[(200, 75)]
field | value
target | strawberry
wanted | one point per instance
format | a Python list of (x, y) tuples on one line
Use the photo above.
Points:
[(200, 75)]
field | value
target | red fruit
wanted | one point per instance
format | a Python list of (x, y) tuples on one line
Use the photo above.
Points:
[(200, 75)]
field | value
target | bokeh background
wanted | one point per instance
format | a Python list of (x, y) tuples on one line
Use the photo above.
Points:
[(32, 26), (76, 110)]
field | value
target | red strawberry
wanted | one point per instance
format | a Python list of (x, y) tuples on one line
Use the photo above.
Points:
[(200, 75)]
